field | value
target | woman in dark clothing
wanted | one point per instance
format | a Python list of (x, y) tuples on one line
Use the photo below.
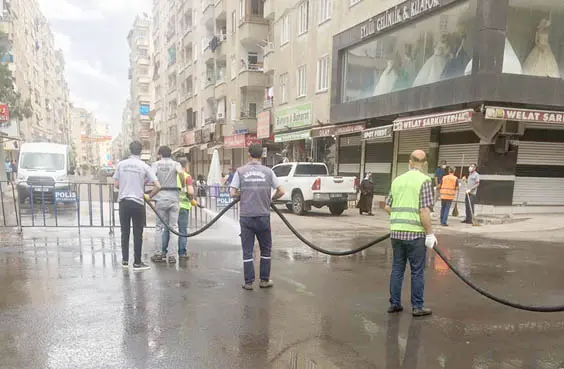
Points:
[(366, 195)]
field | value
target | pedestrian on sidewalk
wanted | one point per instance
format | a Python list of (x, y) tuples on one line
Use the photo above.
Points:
[(14, 170), (8, 167), (166, 202), (253, 184), (186, 197), (409, 205), (366, 195), (130, 177), (472, 184), (448, 189), (439, 174)]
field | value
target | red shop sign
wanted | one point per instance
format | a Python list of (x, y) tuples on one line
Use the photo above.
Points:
[(251, 139), (4, 114), (189, 138), (234, 142)]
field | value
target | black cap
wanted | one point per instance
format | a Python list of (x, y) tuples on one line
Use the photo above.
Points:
[(255, 151)]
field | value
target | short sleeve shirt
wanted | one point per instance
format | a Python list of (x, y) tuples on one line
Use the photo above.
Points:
[(131, 175), (255, 182), (166, 170), (473, 180)]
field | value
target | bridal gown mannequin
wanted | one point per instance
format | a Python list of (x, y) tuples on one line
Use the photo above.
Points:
[(387, 79), (511, 63), (433, 67), (456, 65), (541, 61)]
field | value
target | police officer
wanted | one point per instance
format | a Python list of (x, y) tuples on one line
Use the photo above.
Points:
[(167, 202), (130, 178), (409, 205), (253, 184)]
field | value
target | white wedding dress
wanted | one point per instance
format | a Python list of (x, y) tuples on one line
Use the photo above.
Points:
[(387, 80), (541, 61), (511, 63), (433, 67)]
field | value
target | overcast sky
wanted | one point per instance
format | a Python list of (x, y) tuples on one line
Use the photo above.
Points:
[(92, 35)]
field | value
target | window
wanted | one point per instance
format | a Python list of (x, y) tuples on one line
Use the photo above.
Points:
[(158, 92), (302, 81), (310, 170), (354, 2), (143, 71), (241, 10), (234, 21), (143, 53), (173, 135), (171, 82), (282, 170), (285, 29), (172, 108), (325, 10), (144, 88), (303, 17), (252, 110), (323, 74), (284, 88), (233, 68)]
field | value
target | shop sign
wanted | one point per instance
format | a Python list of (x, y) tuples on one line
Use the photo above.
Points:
[(240, 141), (263, 124), (144, 109), (188, 138), (337, 130), (524, 115), (378, 132), (198, 136), (252, 139), (296, 117), (433, 120), (398, 14), (292, 136), (4, 114)]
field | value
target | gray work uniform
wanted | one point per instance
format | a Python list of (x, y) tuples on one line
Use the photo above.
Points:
[(255, 183), (166, 202)]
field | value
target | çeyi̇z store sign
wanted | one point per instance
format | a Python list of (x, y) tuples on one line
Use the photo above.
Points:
[(524, 115), (398, 14), (337, 130), (433, 120)]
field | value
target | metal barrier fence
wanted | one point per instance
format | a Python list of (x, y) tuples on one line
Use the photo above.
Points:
[(89, 205)]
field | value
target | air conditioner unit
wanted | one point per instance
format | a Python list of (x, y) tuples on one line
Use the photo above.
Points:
[(223, 37), (512, 128)]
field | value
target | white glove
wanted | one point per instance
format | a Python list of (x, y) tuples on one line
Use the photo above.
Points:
[(430, 240)]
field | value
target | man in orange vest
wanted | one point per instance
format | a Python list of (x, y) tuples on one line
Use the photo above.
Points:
[(448, 186)]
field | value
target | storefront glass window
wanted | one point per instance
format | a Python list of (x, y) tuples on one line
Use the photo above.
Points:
[(535, 38), (435, 48)]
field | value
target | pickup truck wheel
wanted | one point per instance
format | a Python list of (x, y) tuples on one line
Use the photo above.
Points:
[(290, 207), (337, 209), (298, 205)]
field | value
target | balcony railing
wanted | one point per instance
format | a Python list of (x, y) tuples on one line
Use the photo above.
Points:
[(248, 115), (209, 120), (252, 67)]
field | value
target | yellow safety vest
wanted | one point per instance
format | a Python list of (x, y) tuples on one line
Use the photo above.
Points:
[(406, 190), (185, 202)]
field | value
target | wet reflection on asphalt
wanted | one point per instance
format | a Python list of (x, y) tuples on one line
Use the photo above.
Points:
[(66, 302)]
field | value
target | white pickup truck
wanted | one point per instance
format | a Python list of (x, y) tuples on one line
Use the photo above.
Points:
[(309, 184)]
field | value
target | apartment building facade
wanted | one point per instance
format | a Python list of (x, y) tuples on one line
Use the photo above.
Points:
[(38, 68), (139, 121)]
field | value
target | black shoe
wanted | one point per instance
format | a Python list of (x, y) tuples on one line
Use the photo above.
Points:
[(465, 222), (395, 309), (422, 312), (141, 266), (158, 258), (125, 264)]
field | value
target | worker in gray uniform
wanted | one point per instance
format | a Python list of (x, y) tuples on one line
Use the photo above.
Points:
[(166, 203), (253, 184)]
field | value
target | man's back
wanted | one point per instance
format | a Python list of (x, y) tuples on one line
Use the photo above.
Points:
[(131, 174), (256, 184), (166, 171)]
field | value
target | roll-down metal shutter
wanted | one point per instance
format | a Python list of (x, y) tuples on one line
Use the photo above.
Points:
[(409, 141), (378, 161), (349, 155)]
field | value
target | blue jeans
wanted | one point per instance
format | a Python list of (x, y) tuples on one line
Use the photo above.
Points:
[(414, 251), (183, 216), (258, 227), (469, 202), (445, 208)]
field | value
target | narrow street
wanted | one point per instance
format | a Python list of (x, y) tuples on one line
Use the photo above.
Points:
[(67, 303)]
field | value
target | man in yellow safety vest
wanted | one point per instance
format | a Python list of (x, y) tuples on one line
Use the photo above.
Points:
[(185, 183), (409, 205)]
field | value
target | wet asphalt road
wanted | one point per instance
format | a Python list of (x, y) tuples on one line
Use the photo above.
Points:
[(65, 302)]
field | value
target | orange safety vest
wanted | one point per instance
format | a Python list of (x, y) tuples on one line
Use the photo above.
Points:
[(448, 187)]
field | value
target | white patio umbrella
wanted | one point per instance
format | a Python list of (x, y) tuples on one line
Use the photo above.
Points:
[(214, 175)]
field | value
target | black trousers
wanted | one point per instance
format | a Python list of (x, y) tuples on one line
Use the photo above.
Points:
[(131, 212)]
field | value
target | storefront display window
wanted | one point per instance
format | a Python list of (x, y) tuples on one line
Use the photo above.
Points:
[(535, 38), (435, 48)]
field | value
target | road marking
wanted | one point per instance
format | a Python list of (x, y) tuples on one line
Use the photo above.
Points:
[(301, 288)]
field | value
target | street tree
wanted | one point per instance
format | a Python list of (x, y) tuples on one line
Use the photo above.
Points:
[(17, 106)]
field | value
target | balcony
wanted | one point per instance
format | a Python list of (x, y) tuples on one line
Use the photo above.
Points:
[(208, 11), (220, 88), (269, 9), (252, 76), (208, 92), (220, 9), (269, 58), (252, 30)]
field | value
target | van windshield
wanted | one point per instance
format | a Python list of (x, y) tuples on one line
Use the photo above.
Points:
[(42, 161)]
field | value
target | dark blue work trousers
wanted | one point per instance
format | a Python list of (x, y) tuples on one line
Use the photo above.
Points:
[(258, 227)]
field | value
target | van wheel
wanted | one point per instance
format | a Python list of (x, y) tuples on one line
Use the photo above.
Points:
[(298, 206)]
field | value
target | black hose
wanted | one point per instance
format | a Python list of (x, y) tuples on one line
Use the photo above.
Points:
[(197, 232), (322, 250), (541, 309)]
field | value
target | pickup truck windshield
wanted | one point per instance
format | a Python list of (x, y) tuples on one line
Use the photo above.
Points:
[(307, 170), (42, 161)]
